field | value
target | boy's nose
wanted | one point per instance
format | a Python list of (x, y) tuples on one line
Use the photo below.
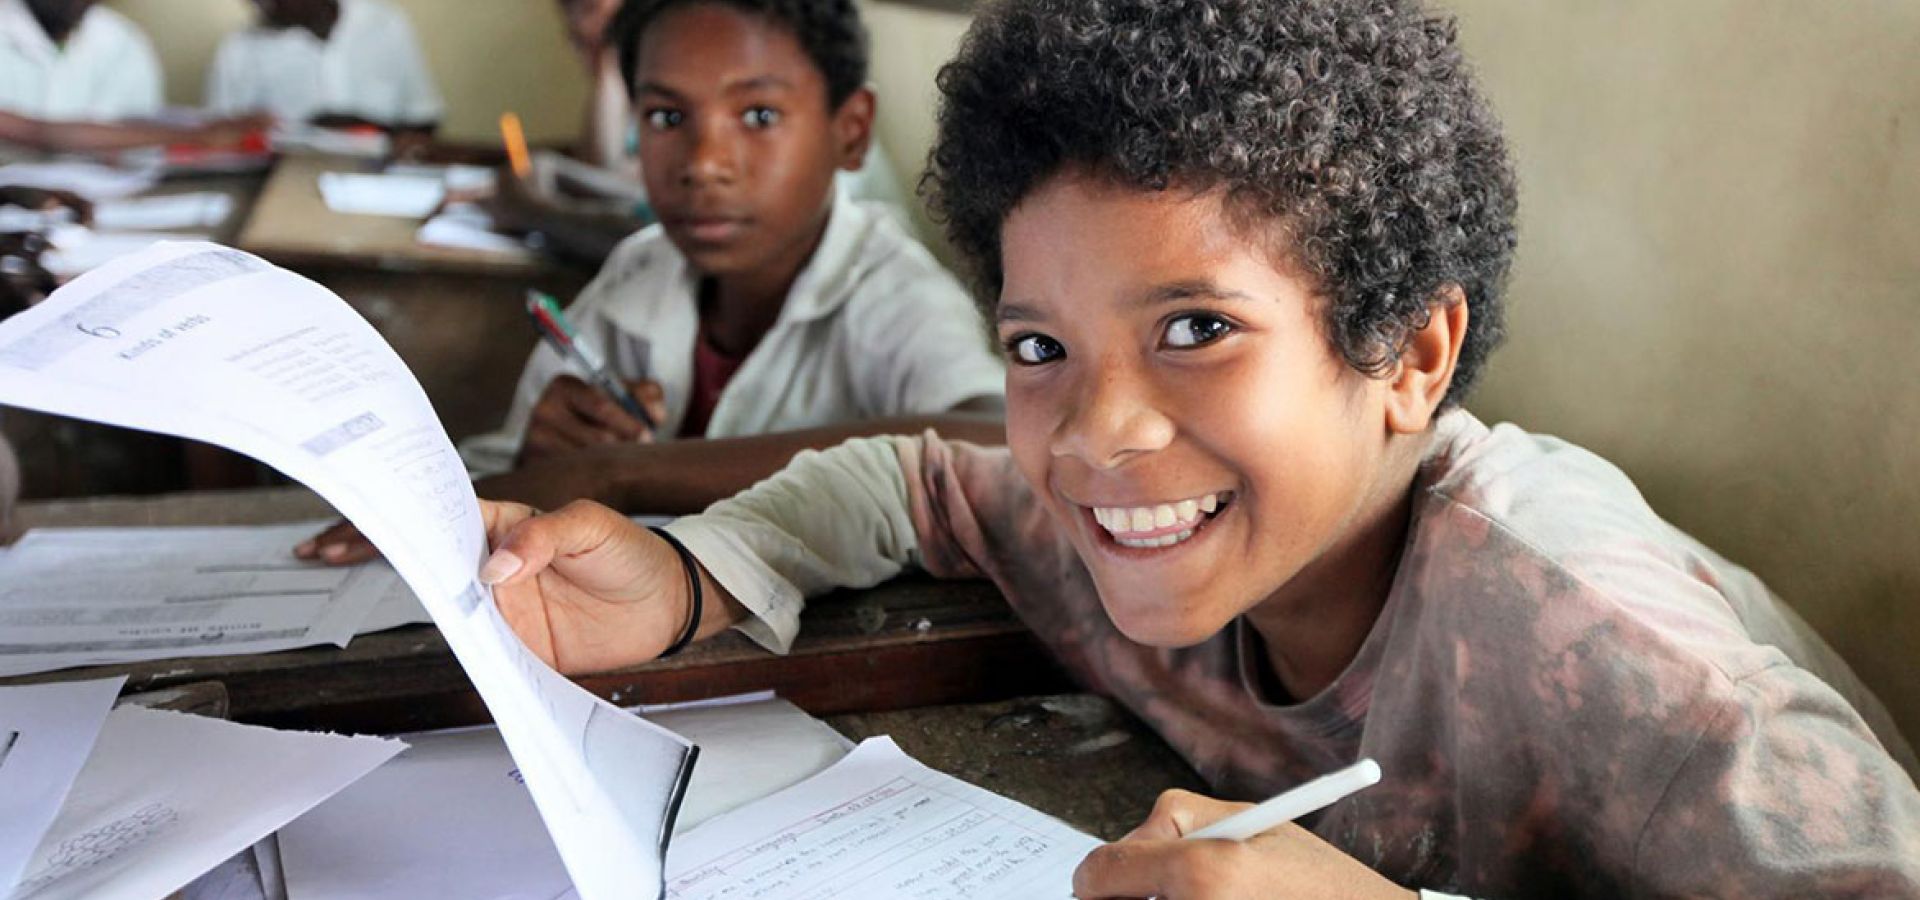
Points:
[(1112, 419), (715, 158)]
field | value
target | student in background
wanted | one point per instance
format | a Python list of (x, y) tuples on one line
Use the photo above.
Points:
[(1246, 258), (334, 63), (767, 313), (68, 60)]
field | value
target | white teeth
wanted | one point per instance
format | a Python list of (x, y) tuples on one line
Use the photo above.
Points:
[(1145, 543), (1124, 522)]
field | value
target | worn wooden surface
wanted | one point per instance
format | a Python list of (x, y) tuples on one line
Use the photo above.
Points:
[(1077, 757), (292, 226), (912, 642)]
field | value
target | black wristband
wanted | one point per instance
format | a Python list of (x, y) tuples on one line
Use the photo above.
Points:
[(693, 584)]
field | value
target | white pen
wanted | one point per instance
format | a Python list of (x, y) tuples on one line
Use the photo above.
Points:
[(1317, 794)]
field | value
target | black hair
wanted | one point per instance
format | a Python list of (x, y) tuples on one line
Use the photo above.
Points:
[(1347, 134), (830, 31)]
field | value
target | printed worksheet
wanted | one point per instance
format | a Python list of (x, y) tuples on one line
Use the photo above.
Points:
[(100, 596), (878, 826), (217, 345)]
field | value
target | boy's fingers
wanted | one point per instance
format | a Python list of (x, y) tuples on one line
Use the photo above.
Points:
[(594, 406), (1178, 813), (1132, 869), (532, 542)]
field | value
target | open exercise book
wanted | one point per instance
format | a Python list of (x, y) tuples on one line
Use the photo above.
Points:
[(212, 344)]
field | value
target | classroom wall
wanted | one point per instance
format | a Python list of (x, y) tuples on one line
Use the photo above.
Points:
[(487, 56)]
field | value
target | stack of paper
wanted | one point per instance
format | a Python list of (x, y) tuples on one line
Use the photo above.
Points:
[(162, 797), (450, 816), (465, 226), (216, 345), (95, 596), (91, 180), (78, 249), (206, 209), (401, 196)]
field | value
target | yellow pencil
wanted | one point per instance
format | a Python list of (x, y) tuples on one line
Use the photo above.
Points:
[(516, 141)]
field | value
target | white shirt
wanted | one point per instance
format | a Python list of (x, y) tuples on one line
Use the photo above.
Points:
[(105, 71), (873, 327), (369, 67)]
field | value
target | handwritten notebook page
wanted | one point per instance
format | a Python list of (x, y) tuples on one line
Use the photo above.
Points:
[(878, 825)]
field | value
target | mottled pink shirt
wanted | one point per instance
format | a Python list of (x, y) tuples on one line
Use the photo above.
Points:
[(1567, 695)]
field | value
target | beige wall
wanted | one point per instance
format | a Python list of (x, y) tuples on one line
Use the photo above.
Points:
[(487, 56), (1719, 279)]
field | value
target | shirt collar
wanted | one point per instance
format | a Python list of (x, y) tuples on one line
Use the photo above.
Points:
[(19, 28)]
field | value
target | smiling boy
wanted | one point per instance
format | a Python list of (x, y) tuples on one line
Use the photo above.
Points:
[(1246, 257)]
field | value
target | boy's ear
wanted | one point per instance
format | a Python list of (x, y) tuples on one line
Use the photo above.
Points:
[(853, 128), (1425, 369)]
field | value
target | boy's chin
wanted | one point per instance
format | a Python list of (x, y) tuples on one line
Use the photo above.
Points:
[(1150, 621)]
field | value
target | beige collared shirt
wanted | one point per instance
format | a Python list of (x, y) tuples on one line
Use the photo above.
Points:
[(105, 71), (873, 327)]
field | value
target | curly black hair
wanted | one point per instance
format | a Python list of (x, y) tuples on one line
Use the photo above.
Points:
[(830, 31), (1349, 133)]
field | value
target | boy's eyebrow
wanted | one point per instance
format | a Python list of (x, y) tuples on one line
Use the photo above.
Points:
[(1191, 289), (1170, 292), (1014, 312), (757, 82)]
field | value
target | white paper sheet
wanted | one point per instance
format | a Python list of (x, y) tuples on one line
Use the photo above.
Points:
[(94, 596), (401, 196), (464, 226), (878, 826), (451, 818), (198, 210), (91, 180), (46, 734), (168, 796), (216, 345), (78, 249)]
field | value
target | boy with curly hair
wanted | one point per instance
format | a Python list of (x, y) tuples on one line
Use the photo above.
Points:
[(1245, 258)]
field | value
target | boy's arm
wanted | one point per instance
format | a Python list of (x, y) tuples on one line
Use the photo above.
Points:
[(675, 477)]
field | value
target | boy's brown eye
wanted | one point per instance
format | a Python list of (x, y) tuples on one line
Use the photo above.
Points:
[(664, 118), (1034, 349), (761, 117), (1196, 329)]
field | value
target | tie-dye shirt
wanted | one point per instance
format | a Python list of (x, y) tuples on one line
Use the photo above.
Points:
[(1567, 695)]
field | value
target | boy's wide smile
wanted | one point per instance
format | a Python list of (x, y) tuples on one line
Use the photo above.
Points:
[(1159, 525)]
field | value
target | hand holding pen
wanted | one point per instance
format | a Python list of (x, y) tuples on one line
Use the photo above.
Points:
[(590, 406)]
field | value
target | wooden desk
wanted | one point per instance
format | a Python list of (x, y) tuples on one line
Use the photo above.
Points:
[(456, 317), (909, 643), (943, 667)]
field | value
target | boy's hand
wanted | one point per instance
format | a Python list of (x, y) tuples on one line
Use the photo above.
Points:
[(549, 485), (573, 414), (1288, 861), (587, 589)]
